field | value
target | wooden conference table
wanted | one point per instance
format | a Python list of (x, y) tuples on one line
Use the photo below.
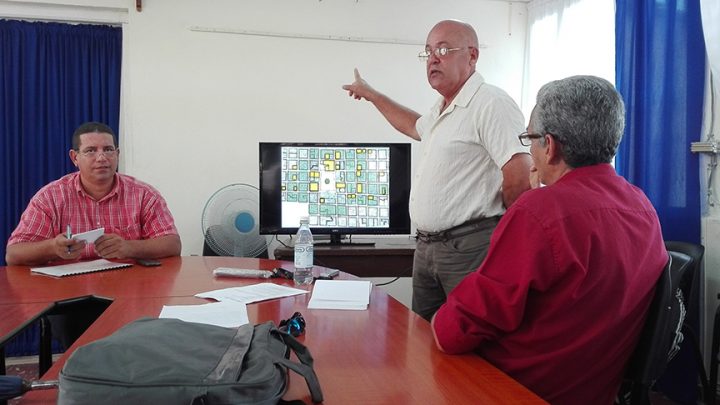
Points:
[(385, 355)]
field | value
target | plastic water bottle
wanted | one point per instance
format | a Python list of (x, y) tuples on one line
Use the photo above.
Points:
[(303, 254)]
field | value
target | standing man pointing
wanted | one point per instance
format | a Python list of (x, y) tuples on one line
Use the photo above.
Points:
[(471, 166)]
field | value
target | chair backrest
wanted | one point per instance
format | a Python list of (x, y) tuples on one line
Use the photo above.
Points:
[(688, 279), (660, 336), (680, 380)]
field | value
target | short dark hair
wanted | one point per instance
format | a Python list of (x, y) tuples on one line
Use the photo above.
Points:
[(91, 127), (585, 114)]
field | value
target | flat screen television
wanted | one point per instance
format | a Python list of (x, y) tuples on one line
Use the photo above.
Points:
[(343, 188)]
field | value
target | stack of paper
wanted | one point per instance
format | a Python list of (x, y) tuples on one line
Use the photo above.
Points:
[(231, 311), (225, 314), (252, 293), (340, 294)]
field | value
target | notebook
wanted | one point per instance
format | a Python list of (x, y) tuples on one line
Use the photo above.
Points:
[(341, 294), (79, 268)]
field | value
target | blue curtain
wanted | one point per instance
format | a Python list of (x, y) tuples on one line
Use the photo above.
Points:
[(53, 77), (660, 71)]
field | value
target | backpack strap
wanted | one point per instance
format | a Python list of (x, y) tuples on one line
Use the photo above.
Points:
[(224, 371), (304, 368)]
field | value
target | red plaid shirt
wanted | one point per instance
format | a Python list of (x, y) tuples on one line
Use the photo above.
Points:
[(132, 209)]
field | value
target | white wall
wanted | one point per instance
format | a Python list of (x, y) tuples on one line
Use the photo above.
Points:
[(710, 199), (196, 104), (711, 191)]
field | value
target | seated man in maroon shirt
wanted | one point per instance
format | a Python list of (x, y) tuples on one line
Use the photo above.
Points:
[(560, 299)]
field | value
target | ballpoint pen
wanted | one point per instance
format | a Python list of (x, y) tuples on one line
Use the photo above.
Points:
[(68, 234)]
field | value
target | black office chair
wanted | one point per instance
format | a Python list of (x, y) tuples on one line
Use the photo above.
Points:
[(714, 361), (690, 283), (66, 320), (660, 337)]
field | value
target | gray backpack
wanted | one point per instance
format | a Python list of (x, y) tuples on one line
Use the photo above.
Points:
[(168, 361)]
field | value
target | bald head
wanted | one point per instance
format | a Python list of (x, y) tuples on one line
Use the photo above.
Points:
[(460, 30)]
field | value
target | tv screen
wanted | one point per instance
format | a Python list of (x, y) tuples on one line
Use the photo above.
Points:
[(343, 188)]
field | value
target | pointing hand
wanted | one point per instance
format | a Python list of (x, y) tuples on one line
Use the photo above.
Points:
[(359, 89)]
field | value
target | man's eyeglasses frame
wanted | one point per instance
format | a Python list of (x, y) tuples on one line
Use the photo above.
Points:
[(527, 137), (92, 153), (439, 52)]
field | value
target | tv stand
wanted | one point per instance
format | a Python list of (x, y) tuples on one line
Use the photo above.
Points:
[(336, 240)]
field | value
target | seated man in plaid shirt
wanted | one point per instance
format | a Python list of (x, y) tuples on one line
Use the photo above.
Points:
[(137, 221)]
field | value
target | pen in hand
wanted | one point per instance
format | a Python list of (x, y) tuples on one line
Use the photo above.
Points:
[(68, 234)]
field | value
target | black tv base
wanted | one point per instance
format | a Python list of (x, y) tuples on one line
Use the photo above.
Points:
[(336, 240)]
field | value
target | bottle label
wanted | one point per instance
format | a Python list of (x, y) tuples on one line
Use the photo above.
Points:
[(303, 256)]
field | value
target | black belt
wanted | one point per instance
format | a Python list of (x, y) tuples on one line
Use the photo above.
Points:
[(463, 229)]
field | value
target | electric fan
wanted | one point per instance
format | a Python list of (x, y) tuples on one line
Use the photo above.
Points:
[(230, 222)]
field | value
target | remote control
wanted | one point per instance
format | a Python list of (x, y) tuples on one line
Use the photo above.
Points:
[(245, 273), (328, 274)]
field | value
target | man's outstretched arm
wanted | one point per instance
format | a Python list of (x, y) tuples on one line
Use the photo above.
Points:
[(400, 117)]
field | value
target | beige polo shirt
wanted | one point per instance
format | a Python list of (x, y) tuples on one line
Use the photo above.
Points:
[(462, 152)]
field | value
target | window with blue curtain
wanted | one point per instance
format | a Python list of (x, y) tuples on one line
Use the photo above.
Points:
[(660, 72), (53, 77)]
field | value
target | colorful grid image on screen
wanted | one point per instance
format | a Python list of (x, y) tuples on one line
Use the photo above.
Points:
[(336, 186)]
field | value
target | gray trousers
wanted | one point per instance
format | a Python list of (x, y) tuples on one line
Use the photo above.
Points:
[(443, 259)]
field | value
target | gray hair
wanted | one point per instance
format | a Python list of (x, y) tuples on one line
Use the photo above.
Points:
[(585, 114)]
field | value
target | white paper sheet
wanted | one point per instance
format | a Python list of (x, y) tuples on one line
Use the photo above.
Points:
[(252, 293), (226, 314), (341, 294), (90, 236)]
